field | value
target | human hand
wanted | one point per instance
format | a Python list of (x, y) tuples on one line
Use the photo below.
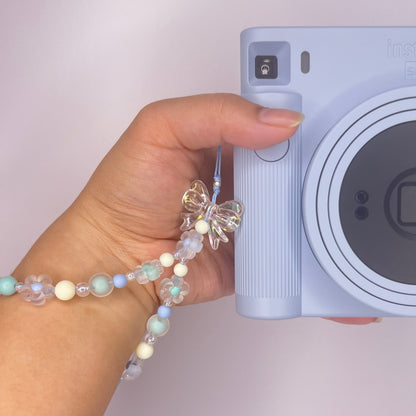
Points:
[(135, 194), (131, 206), (129, 212)]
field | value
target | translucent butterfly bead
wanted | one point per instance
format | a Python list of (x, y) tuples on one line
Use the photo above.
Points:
[(36, 289), (222, 218), (133, 368), (189, 244), (174, 289)]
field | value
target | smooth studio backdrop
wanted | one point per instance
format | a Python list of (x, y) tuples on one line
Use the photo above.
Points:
[(73, 74)]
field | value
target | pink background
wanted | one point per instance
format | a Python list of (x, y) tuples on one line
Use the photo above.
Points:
[(72, 76)]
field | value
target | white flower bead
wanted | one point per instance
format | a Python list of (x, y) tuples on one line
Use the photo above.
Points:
[(166, 259), (201, 227), (144, 350), (65, 290), (180, 270)]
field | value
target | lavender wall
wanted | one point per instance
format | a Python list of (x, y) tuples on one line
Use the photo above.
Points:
[(72, 76)]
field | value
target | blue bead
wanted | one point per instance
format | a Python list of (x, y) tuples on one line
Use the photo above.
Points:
[(36, 287), (7, 285), (119, 280), (164, 311)]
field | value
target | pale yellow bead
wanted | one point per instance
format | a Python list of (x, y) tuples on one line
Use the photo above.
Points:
[(144, 350), (65, 290), (180, 270), (201, 227), (166, 259)]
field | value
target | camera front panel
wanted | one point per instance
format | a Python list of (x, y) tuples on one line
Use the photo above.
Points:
[(359, 202), (326, 73)]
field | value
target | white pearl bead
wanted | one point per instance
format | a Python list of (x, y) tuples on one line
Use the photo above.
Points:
[(166, 259), (65, 290), (201, 227), (144, 350), (180, 270)]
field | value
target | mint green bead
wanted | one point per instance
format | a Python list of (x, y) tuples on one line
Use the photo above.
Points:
[(101, 285), (7, 285), (158, 326), (151, 272), (175, 291)]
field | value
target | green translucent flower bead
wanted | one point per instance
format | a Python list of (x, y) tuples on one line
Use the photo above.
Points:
[(7, 285), (175, 291), (101, 285), (151, 271)]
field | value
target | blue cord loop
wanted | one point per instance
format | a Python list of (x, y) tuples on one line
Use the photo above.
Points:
[(217, 176)]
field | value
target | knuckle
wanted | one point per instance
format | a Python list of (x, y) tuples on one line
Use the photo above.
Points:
[(150, 112)]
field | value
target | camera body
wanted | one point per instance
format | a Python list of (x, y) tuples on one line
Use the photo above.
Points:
[(329, 227)]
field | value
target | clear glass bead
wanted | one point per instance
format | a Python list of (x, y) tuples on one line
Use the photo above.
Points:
[(148, 271), (133, 368), (31, 279), (193, 240), (184, 253), (150, 339), (38, 298), (25, 292), (177, 281), (140, 275), (130, 276), (165, 286), (189, 244), (44, 279), (82, 289), (174, 282), (49, 291), (101, 285), (36, 289), (168, 301), (157, 326), (152, 269)]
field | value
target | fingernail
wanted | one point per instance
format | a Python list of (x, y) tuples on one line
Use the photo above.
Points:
[(280, 117), (378, 320)]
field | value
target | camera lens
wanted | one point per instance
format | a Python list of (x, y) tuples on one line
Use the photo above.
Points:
[(361, 213), (266, 66), (361, 197)]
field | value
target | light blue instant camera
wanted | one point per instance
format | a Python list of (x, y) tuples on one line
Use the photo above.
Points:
[(330, 216)]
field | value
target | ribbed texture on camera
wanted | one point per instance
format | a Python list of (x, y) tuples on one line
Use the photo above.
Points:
[(268, 242)]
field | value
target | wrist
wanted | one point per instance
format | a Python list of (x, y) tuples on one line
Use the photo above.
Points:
[(74, 249), (93, 337)]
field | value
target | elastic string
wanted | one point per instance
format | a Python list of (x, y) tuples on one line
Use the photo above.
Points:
[(217, 176)]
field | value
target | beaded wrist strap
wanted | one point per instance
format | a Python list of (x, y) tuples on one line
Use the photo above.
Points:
[(202, 216)]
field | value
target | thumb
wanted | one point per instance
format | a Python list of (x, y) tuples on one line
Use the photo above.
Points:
[(210, 120)]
